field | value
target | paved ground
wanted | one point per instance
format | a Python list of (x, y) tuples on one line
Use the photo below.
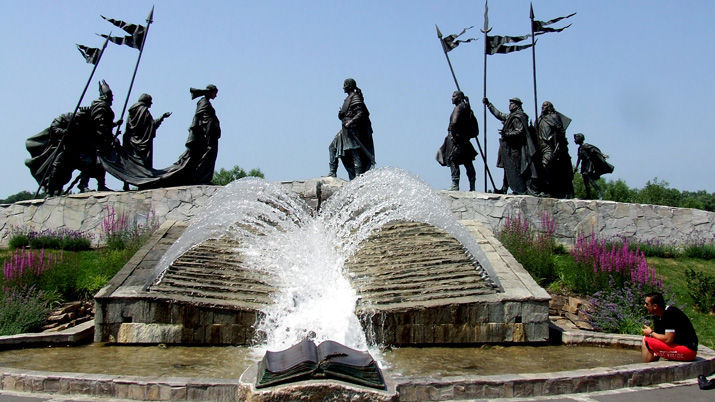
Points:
[(674, 392)]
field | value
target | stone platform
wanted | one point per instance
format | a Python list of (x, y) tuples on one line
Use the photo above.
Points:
[(416, 285)]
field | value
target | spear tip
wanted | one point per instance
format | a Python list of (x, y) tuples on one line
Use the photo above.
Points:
[(150, 18), (439, 33)]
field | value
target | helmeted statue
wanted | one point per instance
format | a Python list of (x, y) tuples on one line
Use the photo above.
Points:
[(100, 141), (518, 153), (555, 156), (353, 144), (593, 164), (457, 149)]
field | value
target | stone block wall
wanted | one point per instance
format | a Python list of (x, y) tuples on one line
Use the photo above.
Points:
[(635, 222)]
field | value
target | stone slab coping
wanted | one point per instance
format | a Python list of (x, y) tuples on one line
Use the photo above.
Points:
[(81, 333)]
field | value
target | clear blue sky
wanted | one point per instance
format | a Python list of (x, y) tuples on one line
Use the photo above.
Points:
[(635, 77)]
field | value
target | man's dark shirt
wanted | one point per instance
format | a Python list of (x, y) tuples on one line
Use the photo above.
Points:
[(674, 319)]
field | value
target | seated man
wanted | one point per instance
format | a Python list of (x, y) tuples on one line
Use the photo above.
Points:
[(672, 336)]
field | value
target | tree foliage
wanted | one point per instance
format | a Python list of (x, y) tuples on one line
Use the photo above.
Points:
[(21, 196), (656, 192), (222, 177)]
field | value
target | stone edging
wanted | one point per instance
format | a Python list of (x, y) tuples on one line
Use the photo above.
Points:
[(409, 388), (81, 333)]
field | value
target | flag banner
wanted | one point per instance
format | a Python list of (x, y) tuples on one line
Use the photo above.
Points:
[(90, 54), (137, 32), (501, 44), (547, 30), (539, 26), (450, 41)]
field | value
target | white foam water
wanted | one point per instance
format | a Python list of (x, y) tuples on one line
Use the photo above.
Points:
[(306, 251)]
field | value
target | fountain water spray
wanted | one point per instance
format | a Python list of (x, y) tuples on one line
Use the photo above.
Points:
[(304, 253)]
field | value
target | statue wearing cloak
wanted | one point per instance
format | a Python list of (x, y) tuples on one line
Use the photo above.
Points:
[(138, 139), (555, 156)]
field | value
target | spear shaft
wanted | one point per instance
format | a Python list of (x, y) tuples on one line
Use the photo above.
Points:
[(55, 153), (533, 62), (149, 20), (441, 42)]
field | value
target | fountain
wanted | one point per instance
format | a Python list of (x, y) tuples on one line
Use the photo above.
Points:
[(381, 263), (253, 269)]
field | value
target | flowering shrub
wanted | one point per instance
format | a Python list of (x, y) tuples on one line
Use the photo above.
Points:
[(533, 248), (598, 264), (25, 266), (619, 309), (59, 239), (21, 310), (119, 232)]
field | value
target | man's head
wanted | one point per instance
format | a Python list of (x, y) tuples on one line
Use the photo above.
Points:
[(349, 85), (514, 104), (578, 138), (457, 97), (145, 99), (211, 91), (547, 107), (654, 303)]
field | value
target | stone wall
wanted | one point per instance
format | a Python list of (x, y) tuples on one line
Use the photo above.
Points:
[(635, 222)]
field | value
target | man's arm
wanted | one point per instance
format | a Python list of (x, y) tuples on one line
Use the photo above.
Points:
[(668, 338)]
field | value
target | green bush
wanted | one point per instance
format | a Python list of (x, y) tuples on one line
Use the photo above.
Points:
[(701, 289), (61, 239), (82, 274), (699, 250), (21, 310)]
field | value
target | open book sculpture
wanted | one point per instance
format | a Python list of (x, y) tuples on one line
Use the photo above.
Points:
[(329, 360)]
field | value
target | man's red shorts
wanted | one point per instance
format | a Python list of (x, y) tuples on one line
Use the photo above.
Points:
[(675, 352)]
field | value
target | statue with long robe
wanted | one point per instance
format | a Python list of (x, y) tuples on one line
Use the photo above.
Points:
[(554, 149), (138, 139)]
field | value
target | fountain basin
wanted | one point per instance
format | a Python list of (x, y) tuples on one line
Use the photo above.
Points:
[(207, 297), (443, 385)]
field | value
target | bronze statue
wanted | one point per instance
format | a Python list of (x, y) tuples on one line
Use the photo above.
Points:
[(593, 165), (517, 150), (204, 132), (353, 144), (56, 148), (100, 141), (555, 156), (195, 165), (457, 149), (138, 139)]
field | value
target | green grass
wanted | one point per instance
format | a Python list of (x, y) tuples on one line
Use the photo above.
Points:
[(673, 273)]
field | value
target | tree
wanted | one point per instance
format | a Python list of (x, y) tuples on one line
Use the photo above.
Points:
[(21, 196), (223, 177)]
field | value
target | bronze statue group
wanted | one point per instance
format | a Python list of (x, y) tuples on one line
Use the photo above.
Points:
[(535, 160), (85, 142)]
